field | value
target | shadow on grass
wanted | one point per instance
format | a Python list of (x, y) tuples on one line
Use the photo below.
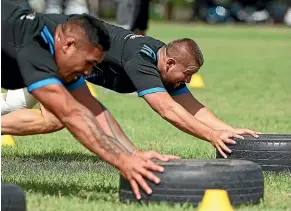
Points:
[(27, 171), (100, 191), (55, 156), (67, 165)]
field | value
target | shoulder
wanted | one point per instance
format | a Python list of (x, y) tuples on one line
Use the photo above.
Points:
[(36, 55), (27, 27), (142, 63)]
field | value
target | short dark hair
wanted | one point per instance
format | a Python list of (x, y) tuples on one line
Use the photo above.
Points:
[(95, 30), (183, 50)]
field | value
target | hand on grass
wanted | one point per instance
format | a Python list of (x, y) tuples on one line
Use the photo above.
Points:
[(135, 168), (219, 138), (155, 155)]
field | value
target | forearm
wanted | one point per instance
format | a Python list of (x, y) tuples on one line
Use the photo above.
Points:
[(186, 122), (199, 111), (84, 127), (104, 117), (80, 122), (207, 117), (111, 127)]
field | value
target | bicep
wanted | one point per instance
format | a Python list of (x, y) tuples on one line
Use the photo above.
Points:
[(55, 98), (37, 67)]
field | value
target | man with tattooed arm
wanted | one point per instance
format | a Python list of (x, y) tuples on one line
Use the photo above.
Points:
[(49, 54)]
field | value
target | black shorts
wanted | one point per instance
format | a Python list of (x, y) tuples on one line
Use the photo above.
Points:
[(140, 21), (133, 14), (10, 70), (9, 66)]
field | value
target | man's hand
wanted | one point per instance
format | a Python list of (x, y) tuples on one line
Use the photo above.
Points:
[(219, 138), (135, 168), (155, 155), (243, 131)]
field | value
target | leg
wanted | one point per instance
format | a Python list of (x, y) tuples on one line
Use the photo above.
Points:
[(16, 99), (93, 6), (18, 117), (125, 12), (54, 6), (76, 7), (141, 17), (29, 122), (37, 5)]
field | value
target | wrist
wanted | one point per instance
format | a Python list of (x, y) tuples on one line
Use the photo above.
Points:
[(229, 128), (120, 162), (210, 134), (136, 152)]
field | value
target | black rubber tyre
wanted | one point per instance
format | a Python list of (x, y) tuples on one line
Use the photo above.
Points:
[(271, 151), (184, 181), (12, 198)]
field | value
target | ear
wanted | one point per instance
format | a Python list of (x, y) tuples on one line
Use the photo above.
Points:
[(69, 43), (170, 63)]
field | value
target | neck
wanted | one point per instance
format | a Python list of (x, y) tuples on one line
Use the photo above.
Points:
[(160, 54)]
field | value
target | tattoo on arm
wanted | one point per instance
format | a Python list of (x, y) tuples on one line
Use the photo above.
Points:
[(117, 133), (81, 122), (106, 141)]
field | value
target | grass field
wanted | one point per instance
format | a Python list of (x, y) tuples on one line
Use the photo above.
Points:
[(247, 74)]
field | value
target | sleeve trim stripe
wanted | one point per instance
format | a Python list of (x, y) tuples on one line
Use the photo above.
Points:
[(76, 85), (147, 50), (43, 36), (49, 35), (43, 83), (152, 90), (48, 38), (179, 91), (153, 53)]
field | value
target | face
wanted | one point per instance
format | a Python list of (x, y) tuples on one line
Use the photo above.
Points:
[(174, 74), (73, 62)]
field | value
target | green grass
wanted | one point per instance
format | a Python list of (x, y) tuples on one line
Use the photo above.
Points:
[(247, 74)]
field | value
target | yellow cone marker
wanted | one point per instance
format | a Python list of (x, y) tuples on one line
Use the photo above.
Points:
[(7, 140), (91, 88), (196, 81), (215, 200)]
